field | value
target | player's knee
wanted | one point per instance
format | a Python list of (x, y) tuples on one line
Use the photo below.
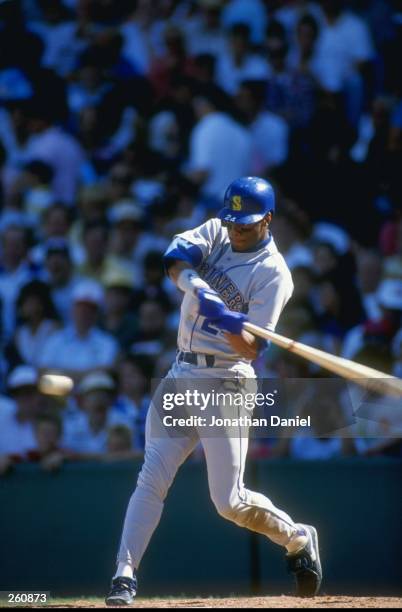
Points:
[(227, 512), (227, 508)]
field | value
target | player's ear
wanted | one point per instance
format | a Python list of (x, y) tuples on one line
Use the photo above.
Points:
[(268, 218)]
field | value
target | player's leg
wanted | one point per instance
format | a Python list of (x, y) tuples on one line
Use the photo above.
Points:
[(226, 457), (163, 457)]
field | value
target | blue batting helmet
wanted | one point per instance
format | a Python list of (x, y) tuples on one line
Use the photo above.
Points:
[(247, 200)]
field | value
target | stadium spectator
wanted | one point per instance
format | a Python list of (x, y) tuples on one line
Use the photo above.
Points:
[(380, 330), (204, 32), (328, 417), (60, 275), (291, 93), (292, 14), (58, 32), (292, 231), (238, 63), (119, 441), (118, 318), (37, 318), (91, 207), (88, 86), (34, 187), (126, 237), (301, 54), (214, 134), (47, 429), (343, 52), (339, 306), (98, 261), (49, 143), (154, 280), (87, 430), (55, 224), (134, 377), (15, 271), (269, 132), (250, 12), (149, 338), (81, 346), (18, 413), (174, 63)]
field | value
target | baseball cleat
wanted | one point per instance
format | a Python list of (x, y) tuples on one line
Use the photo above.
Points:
[(305, 565), (122, 592)]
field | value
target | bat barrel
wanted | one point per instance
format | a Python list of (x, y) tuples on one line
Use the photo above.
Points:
[(370, 378)]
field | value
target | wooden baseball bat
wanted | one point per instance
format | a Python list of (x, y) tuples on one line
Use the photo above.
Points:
[(366, 377)]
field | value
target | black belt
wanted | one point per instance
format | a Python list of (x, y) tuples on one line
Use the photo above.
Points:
[(198, 359)]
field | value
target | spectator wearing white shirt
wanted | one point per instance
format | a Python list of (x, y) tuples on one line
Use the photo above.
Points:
[(82, 346), (60, 150), (17, 415), (59, 35), (220, 148), (37, 318), (237, 62), (343, 51), (204, 32), (269, 132), (87, 430)]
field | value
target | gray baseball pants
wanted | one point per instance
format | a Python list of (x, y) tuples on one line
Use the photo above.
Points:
[(225, 460)]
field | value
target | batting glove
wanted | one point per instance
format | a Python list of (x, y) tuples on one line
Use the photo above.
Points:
[(213, 308), (211, 305), (231, 322)]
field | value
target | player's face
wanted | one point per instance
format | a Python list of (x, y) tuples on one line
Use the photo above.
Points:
[(245, 236)]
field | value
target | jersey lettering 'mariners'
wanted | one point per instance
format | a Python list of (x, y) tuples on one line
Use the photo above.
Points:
[(224, 285)]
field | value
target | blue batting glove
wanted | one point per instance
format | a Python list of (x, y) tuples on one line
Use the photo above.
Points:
[(231, 322), (211, 306)]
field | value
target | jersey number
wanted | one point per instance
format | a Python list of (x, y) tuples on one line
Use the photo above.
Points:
[(207, 326)]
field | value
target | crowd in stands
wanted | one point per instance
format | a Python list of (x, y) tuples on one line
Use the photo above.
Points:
[(121, 124)]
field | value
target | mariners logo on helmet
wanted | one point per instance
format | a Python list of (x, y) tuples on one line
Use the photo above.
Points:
[(236, 202), (248, 200)]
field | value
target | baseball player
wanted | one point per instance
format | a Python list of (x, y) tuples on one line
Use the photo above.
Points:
[(227, 268)]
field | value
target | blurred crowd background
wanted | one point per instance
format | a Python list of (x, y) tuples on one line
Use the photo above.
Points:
[(121, 124)]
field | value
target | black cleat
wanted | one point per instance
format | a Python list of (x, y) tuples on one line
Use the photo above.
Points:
[(305, 565), (122, 592)]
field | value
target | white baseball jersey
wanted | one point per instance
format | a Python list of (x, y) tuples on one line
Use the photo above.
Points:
[(257, 283)]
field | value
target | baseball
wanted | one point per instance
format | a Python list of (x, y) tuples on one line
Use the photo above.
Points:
[(55, 384)]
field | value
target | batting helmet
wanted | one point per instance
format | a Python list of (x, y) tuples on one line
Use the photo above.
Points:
[(247, 200)]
